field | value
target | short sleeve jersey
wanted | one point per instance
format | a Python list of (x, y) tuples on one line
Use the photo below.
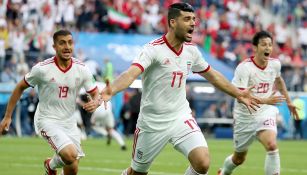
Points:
[(58, 88), (248, 73), (164, 81)]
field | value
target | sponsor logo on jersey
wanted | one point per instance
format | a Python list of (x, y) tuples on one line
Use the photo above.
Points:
[(166, 61), (52, 79)]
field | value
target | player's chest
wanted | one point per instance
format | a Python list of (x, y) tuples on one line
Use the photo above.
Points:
[(266, 75), (58, 79), (175, 63)]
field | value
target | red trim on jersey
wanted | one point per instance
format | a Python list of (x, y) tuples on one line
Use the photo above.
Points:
[(206, 70), (139, 66), (79, 62), (157, 41), (188, 134), (47, 61), (169, 46), (24, 79), (63, 70), (92, 90), (189, 43), (44, 134), (136, 135), (262, 68)]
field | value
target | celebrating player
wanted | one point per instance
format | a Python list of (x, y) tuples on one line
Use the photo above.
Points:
[(262, 71), (58, 80), (165, 115)]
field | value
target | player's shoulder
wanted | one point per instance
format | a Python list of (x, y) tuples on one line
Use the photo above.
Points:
[(46, 62), (274, 60), (189, 44), (246, 62), (156, 42), (77, 62)]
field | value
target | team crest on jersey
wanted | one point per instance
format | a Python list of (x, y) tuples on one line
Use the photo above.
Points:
[(139, 154), (189, 64)]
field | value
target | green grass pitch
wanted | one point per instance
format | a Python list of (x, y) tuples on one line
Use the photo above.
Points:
[(25, 156)]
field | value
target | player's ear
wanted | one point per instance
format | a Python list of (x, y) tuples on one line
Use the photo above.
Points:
[(172, 23), (254, 48)]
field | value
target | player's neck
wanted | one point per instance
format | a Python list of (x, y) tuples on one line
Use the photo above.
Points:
[(260, 62), (173, 41), (63, 63)]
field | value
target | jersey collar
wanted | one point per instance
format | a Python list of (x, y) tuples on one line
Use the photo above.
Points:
[(262, 68), (63, 70), (169, 46)]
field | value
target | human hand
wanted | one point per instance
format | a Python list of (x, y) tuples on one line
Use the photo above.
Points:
[(106, 94), (250, 101), (92, 105), (5, 125), (274, 100), (293, 111)]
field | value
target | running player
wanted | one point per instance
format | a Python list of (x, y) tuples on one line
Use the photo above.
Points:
[(58, 80), (264, 72)]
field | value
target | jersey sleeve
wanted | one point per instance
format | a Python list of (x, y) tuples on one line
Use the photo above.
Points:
[(278, 68), (33, 77), (241, 76), (89, 82), (199, 65), (145, 58)]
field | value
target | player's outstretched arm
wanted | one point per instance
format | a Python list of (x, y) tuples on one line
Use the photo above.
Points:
[(16, 94), (122, 82), (243, 96), (281, 86)]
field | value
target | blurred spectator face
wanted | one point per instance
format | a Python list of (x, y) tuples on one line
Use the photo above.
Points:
[(63, 46)]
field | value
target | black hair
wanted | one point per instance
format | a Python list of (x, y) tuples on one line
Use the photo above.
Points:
[(61, 32), (174, 10), (260, 35)]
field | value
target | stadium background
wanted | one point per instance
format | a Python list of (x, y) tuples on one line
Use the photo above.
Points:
[(115, 30)]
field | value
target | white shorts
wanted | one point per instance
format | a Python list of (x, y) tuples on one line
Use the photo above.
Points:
[(245, 132), (103, 118), (184, 135), (59, 136)]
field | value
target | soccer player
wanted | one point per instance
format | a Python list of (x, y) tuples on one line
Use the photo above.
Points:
[(58, 80), (165, 115), (103, 119), (264, 72)]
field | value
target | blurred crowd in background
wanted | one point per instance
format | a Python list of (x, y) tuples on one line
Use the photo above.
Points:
[(224, 28)]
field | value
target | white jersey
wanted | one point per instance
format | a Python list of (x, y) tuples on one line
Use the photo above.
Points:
[(247, 74), (164, 80), (58, 88)]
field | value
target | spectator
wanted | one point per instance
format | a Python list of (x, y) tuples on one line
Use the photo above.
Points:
[(299, 130)]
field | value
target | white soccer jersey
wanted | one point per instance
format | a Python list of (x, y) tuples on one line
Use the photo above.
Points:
[(58, 88), (164, 80), (248, 73)]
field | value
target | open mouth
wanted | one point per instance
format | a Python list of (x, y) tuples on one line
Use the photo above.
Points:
[(266, 54), (190, 31)]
